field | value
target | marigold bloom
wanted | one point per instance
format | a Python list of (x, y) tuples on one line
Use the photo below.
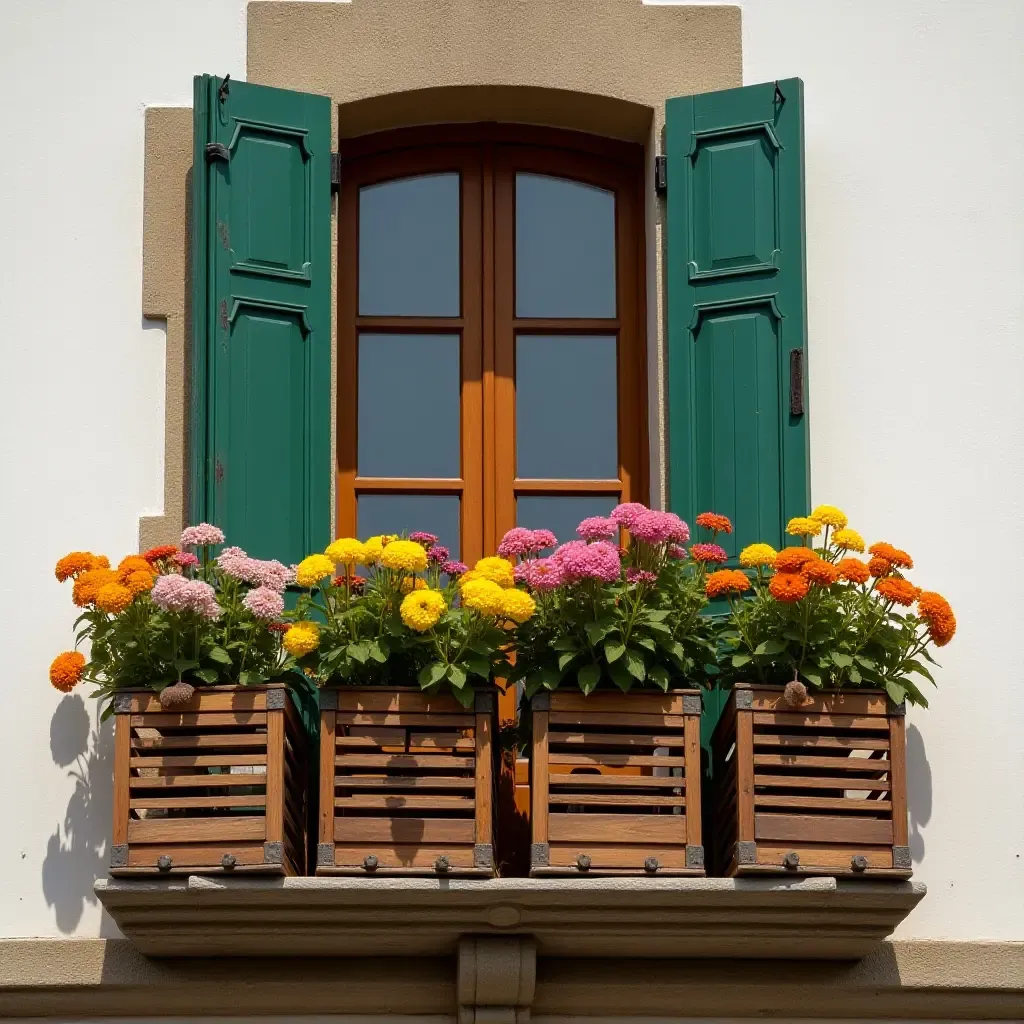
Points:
[(422, 609), (66, 670), (754, 555), (517, 605), (130, 564), (854, 570), (74, 563), (496, 569), (896, 556), (113, 598), (714, 553), (715, 522), (373, 546), (301, 638), (790, 560), (411, 583), (726, 581), (817, 570), (848, 540), (100, 562), (346, 551), (160, 552), (87, 586), (829, 515), (897, 590), (879, 567), (140, 582), (404, 554), (934, 609), (788, 587), (312, 569), (803, 526), (484, 596)]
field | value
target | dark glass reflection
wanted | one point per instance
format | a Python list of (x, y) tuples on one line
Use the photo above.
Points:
[(408, 405), (409, 247), (566, 407), (406, 513), (565, 248), (561, 514)]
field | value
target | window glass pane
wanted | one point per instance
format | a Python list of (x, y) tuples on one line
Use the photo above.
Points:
[(409, 247), (561, 514), (565, 248), (566, 407), (406, 513), (408, 405)]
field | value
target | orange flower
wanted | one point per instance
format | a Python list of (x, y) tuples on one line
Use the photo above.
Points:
[(788, 587), (793, 559), (936, 612), (726, 581), (854, 570), (893, 555), (158, 553), (66, 670), (130, 564), (113, 598), (879, 567), (819, 571), (73, 563), (897, 590), (87, 586), (140, 582), (100, 562), (714, 522)]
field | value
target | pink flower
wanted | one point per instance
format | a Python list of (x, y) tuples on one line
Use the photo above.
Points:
[(543, 539), (656, 527), (175, 593), (708, 553), (185, 559), (597, 528), (517, 542), (234, 562), (641, 577), (264, 602), (540, 574), (201, 536), (579, 561), (437, 553), (426, 539), (676, 551), (454, 568)]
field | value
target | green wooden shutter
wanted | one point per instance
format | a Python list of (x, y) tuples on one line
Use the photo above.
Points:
[(737, 309), (261, 293)]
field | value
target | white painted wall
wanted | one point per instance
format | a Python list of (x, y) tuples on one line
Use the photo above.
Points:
[(915, 208)]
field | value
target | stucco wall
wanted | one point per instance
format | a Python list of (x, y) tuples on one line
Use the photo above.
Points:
[(915, 140)]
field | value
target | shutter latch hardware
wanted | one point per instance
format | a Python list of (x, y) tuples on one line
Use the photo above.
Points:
[(335, 171), (780, 96), (217, 151), (661, 175), (224, 88), (796, 382)]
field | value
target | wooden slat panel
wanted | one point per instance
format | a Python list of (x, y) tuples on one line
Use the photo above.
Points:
[(403, 761), (238, 700), (451, 741), (796, 721), (898, 779), (325, 830), (540, 777), (390, 782), (405, 720), (617, 781), (195, 854), (215, 741), (607, 739), (693, 781), (185, 802), (400, 801), (402, 856), (198, 760), (401, 701), (588, 718), (850, 703), (204, 719), (824, 855), (744, 776), (179, 830), (401, 831), (616, 799), (195, 781), (617, 828), (815, 828), (620, 760), (612, 704), (822, 742), (809, 782), (275, 777), (841, 764), (823, 803), (484, 794), (122, 779), (624, 856)]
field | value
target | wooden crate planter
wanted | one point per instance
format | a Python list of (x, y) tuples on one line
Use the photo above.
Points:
[(406, 783), (815, 790), (616, 784), (218, 785)]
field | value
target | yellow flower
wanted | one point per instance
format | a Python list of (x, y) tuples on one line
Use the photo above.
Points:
[(848, 540), (412, 583), (421, 609), (113, 598), (517, 605), (468, 577), (347, 551), (310, 571), (483, 596), (829, 515), (497, 570), (754, 555), (803, 526), (404, 554), (301, 638), (371, 550)]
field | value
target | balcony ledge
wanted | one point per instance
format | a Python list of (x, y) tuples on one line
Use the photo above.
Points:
[(812, 919)]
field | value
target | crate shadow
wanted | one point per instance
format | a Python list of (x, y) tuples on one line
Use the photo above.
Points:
[(919, 791)]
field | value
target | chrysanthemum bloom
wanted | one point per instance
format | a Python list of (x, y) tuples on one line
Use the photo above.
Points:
[(597, 528), (655, 527), (626, 514), (581, 561), (713, 553), (346, 551), (264, 602), (641, 577), (484, 596), (175, 593), (113, 598), (848, 540), (100, 562), (301, 638), (201, 535), (496, 569), (234, 562), (788, 587), (373, 546), (517, 605), (411, 583), (438, 553), (879, 567), (542, 574), (278, 627), (404, 554), (726, 581), (934, 609), (854, 570), (73, 564), (714, 522), (66, 670), (754, 555), (426, 539), (676, 551), (819, 571), (202, 599), (130, 564), (803, 526), (896, 556), (829, 515), (516, 543), (355, 583), (422, 609), (88, 585), (314, 568), (541, 540), (185, 560), (140, 582), (792, 559), (897, 590), (454, 568), (159, 553)]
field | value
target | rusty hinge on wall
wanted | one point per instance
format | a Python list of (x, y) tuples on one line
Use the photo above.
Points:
[(335, 171), (661, 175), (796, 382)]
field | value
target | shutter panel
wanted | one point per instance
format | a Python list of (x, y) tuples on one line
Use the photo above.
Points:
[(737, 309), (261, 292)]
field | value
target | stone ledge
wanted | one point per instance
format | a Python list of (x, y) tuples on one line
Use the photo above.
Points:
[(814, 919)]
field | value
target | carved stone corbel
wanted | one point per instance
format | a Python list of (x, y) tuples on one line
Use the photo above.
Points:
[(496, 979)]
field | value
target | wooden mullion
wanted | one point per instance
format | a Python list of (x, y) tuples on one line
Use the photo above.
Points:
[(275, 776), (572, 487), (410, 324), (898, 779), (122, 781), (692, 770), (539, 775), (327, 775), (565, 325), (422, 485), (744, 774)]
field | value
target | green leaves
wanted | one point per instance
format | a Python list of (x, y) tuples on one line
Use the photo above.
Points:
[(588, 677), (432, 674), (613, 650)]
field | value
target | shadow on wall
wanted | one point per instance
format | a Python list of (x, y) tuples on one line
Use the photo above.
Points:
[(78, 851), (919, 791)]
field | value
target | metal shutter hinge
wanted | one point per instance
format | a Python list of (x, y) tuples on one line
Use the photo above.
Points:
[(217, 151), (661, 175), (335, 171)]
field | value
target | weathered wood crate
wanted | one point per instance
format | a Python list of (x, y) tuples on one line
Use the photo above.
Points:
[(615, 782), (815, 790), (217, 785), (406, 783)]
